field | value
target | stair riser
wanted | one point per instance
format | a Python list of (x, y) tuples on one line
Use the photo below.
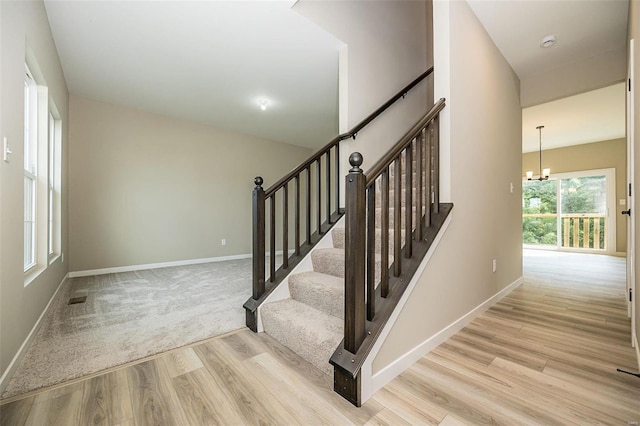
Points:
[(313, 344), (334, 265)]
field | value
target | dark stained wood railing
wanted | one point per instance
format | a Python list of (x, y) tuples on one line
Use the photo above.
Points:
[(369, 298), (320, 187)]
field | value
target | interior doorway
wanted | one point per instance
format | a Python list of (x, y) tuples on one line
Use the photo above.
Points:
[(571, 212)]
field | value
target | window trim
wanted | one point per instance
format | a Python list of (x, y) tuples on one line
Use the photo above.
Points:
[(30, 162), (54, 164)]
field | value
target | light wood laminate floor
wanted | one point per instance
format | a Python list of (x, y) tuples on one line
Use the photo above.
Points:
[(546, 354)]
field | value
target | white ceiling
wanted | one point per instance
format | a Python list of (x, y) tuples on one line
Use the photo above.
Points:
[(205, 61), (594, 116), (211, 61), (590, 53), (584, 28)]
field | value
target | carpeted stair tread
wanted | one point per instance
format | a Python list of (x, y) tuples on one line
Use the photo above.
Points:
[(323, 292), (312, 334), (378, 217), (330, 261), (402, 199), (338, 235)]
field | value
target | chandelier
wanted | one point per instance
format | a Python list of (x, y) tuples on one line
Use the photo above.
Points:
[(544, 173)]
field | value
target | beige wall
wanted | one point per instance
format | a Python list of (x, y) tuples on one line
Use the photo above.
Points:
[(634, 33), (592, 156), (384, 52), (482, 152), (22, 23), (145, 188)]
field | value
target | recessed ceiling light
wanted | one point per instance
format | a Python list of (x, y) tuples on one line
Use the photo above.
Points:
[(548, 41), (263, 104)]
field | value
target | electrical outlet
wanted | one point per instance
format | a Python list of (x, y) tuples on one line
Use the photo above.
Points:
[(223, 242), (495, 265)]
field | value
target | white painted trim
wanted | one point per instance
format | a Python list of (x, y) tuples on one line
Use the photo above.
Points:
[(366, 370), (130, 268), (15, 362), (636, 345), (374, 382)]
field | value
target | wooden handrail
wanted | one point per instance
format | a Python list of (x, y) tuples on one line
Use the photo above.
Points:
[(374, 172), (350, 134), (321, 198)]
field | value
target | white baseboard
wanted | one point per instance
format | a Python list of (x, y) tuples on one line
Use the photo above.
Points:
[(384, 376), (366, 370), (130, 268), (15, 362)]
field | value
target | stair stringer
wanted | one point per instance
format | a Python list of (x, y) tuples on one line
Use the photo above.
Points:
[(282, 291), (368, 383)]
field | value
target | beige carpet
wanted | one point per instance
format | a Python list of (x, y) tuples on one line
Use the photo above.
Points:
[(131, 315)]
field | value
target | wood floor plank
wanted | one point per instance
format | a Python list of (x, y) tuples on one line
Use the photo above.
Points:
[(106, 400), (181, 362), (244, 344), (250, 399), (572, 405), (63, 410), (452, 421), (16, 413), (497, 350), (283, 384), (151, 396), (202, 402), (316, 379), (447, 398), (484, 392), (407, 404), (386, 417)]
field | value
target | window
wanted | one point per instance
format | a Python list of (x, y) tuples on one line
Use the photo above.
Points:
[(30, 170), (570, 211), (42, 171), (53, 184)]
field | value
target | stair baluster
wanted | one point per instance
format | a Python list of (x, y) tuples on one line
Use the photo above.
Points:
[(411, 241)]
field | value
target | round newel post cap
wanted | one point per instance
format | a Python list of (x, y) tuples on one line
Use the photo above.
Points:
[(356, 160), (258, 181)]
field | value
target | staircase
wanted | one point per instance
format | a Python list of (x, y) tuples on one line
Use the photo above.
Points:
[(311, 321), (345, 276)]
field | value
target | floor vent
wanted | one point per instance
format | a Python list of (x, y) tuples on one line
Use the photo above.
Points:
[(76, 300)]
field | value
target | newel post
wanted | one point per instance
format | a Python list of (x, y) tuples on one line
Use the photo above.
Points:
[(355, 249), (258, 287)]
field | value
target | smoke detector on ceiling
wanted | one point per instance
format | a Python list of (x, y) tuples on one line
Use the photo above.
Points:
[(548, 41)]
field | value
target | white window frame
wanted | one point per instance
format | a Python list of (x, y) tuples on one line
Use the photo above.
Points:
[(36, 171), (610, 219), (30, 170), (53, 183)]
